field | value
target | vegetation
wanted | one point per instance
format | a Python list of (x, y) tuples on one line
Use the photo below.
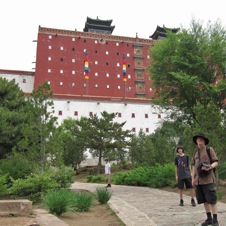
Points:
[(103, 195), (58, 202)]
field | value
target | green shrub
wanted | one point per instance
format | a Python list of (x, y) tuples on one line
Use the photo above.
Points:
[(156, 176), (96, 178), (63, 176), (37, 184), (221, 171), (34, 186), (3, 185), (83, 201), (16, 166), (103, 195), (59, 201)]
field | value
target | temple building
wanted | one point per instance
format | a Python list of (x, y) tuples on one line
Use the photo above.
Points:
[(92, 71), (161, 32)]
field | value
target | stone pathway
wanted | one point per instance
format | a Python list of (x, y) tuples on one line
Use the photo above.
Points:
[(144, 206)]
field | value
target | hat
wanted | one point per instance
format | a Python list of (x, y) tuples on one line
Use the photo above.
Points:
[(179, 147), (202, 136)]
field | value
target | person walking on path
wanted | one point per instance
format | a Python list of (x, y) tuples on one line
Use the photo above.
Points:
[(203, 178), (108, 172), (183, 174)]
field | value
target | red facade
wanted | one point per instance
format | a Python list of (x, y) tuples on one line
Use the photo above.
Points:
[(61, 56)]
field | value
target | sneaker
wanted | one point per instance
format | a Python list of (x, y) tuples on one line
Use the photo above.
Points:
[(207, 222), (181, 202), (215, 223), (193, 202)]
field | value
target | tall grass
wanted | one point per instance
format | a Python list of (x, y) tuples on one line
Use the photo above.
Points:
[(59, 201), (83, 201), (103, 195)]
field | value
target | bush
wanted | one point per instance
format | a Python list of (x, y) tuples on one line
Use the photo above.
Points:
[(3, 185), (156, 176), (103, 195), (36, 185), (21, 166), (63, 176), (221, 171), (33, 186), (83, 201), (59, 202), (96, 178)]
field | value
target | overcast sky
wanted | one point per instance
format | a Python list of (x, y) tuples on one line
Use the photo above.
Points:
[(20, 19)]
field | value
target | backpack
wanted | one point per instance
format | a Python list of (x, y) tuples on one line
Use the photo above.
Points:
[(208, 152)]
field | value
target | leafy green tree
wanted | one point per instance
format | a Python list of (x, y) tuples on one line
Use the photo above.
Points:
[(105, 137), (13, 115), (37, 134), (141, 150), (190, 67), (72, 141), (210, 120)]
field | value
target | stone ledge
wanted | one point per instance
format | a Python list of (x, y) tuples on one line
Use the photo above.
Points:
[(15, 207)]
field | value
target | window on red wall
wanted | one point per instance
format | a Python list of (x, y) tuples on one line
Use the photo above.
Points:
[(75, 113), (60, 112), (134, 130), (90, 114), (146, 115), (119, 114), (133, 115)]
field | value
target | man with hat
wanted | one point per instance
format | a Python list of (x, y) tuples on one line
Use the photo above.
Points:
[(205, 182)]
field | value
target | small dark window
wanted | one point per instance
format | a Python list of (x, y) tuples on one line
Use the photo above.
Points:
[(119, 115), (147, 130), (107, 63), (73, 49), (95, 51), (61, 59), (159, 116), (134, 129), (84, 40), (91, 114), (24, 80), (146, 115), (60, 113), (133, 115), (117, 53), (75, 113)]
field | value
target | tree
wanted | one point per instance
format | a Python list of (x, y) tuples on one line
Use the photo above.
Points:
[(13, 115), (37, 134), (141, 150), (105, 137), (190, 67), (72, 141), (210, 120)]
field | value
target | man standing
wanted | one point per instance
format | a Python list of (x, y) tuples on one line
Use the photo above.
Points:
[(108, 172), (203, 178), (183, 174)]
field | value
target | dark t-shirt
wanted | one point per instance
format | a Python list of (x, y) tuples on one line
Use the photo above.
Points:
[(182, 163)]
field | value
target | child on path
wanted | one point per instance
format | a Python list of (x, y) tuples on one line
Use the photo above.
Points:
[(108, 172), (183, 174)]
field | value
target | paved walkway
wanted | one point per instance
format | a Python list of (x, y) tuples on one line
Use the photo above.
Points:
[(144, 206)]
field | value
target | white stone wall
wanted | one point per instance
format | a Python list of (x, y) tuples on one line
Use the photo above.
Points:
[(26, 82), (83, 108)]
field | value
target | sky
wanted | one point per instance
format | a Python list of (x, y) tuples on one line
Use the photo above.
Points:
[(20, 19)]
